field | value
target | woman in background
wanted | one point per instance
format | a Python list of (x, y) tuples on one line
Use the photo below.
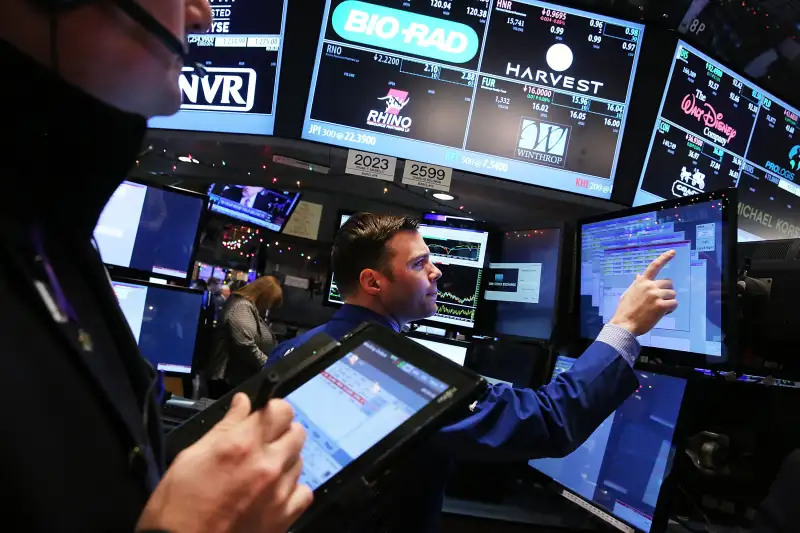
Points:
[(243, 340)]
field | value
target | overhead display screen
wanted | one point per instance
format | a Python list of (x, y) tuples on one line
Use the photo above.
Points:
[(521, 90), (242, 55), (716, 130)]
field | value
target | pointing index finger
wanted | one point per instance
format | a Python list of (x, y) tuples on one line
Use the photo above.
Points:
[(655, 267)]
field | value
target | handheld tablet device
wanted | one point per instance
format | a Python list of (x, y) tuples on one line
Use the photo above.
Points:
[(362, 401)]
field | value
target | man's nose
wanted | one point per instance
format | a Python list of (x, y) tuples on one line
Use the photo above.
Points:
[(198, 16)]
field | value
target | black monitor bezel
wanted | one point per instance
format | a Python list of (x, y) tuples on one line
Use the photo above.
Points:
[(729, 303), (141, 275), (486, 318), (174, 288), (250, 223)]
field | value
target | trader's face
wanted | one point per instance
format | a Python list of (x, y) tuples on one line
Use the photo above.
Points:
[(251, 191), (106, 53), (410, 292)]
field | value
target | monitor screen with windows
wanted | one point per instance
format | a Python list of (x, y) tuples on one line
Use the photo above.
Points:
[(717, 129), (522, 282), (620, 468), (164, 321), (241, 53), (615, 248), (267, 208), (150, 229)]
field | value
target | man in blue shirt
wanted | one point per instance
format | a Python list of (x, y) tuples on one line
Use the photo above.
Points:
[(384, 272)]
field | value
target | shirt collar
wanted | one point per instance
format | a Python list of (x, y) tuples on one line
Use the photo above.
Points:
[(356, 313)]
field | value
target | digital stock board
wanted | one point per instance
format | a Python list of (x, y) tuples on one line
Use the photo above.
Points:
[(241, 54), (716, 129), (517, 89)]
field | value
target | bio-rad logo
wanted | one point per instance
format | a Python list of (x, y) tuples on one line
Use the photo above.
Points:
[(689, 184), (559, 58), (794, 164), (223, 89), (402, 31), (543, 142), (391, 119)]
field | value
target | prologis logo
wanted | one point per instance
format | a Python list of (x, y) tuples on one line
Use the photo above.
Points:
[(391, 118), (405, 32), (223, 89), (689, 184), (794, 157)]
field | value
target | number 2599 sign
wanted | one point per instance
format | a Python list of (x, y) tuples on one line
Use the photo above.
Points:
[(371, 165), (427, 176)]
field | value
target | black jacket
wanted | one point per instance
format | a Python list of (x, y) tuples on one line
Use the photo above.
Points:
[(76, 453)]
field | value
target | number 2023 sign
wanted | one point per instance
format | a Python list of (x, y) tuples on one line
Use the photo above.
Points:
[(427, 176), (371, 165)]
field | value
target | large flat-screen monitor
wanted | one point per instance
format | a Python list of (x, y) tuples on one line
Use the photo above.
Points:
[(456, 351), (164, 321), (716, 129), (242, 55), (268, 208), (150, 229), (334, 297), (614, 248), (522, 283), (522, 90), (620, 468)]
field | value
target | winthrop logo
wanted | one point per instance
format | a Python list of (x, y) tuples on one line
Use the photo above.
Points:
[(391, 119), (559, 58), (223, 89), (543, 142), (401, 31)]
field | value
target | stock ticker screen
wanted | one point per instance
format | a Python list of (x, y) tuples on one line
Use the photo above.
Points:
[(516, 89), (242, 55), (614, 251), (716, 130)]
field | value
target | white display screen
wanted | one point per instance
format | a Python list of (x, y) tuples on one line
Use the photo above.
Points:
[(457, 354)]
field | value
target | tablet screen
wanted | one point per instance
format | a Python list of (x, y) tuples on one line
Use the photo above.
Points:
[(353, 404)]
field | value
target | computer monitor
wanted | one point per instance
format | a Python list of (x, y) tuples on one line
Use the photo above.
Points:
[(617, 474), (456, 351), (164, 321), (522, 283), (267, 208), (152, 229), (615, 247), (460, 254)]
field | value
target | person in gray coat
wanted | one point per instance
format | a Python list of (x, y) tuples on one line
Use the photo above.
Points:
[(243, 339)]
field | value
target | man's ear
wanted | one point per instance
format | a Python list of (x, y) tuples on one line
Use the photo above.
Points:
[(370, 281)]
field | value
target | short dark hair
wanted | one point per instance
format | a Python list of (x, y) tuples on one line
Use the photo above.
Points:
[(361, 243)]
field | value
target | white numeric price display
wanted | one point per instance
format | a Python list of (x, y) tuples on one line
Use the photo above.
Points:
[(427, 176), (371, 165)]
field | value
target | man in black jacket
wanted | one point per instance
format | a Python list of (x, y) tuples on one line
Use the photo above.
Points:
[(81, 446)]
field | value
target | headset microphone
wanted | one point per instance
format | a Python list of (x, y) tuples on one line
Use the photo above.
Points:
[(140, 15)]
